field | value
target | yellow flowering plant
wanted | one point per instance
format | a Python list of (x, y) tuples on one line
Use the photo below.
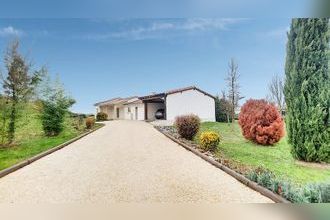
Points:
[(209, 140)]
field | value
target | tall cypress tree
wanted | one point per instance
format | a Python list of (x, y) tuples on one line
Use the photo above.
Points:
[(307, 90)]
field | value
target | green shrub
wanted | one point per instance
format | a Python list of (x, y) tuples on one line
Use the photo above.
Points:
[(291, 193), (90, 122), (222, 110), (209, 140), (101, 116), (307, 90), (311, 193), (53, 115), (275, 185), (325, 193), (187, 126), (55, 105), (253, 176), (265, 179)]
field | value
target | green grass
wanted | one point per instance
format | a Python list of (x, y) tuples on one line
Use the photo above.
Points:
[(12, 155), (30, 139), (277, 158)]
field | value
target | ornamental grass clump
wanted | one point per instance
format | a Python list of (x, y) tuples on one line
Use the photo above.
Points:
[(261, 122), (187, 126), (209, 140)]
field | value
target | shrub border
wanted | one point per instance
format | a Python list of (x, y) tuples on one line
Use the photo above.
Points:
[(253, 185), (34, 158)]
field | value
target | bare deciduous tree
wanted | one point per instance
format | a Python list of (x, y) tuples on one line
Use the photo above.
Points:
[(276, 92), (234, 94)]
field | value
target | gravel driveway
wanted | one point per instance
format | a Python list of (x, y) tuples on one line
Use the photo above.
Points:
[(125, 161)]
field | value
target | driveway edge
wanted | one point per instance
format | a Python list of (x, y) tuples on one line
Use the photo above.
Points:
[(262, 190), (26, 162)]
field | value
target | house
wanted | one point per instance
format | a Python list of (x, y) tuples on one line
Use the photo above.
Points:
[(168, 105)]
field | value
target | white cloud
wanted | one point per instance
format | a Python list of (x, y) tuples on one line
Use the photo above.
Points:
[(10, 31), (163, 28)]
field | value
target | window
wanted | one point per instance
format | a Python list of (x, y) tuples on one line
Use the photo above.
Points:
[(128, 109)]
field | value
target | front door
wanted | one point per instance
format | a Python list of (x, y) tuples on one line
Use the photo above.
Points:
[(117, 111), (136, 113)]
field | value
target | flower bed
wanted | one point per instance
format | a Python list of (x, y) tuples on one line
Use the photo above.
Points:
[(267, 183), (170, 130)]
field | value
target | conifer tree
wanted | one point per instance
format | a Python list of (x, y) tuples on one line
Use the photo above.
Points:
[(306, 89), (17, 84)]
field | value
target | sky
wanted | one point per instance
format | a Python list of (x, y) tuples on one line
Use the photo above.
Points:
[(98, 59), (156, 8)]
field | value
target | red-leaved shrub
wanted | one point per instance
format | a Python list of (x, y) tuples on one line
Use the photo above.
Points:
[(187, 125), (90, 122), (261, 122)]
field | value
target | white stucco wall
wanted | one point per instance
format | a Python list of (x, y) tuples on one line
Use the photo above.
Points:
[(121, 112), (106, 109), (131, 115), (190, 102), (152, 108)]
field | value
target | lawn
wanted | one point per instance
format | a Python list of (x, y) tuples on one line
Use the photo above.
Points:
[(277, 158), (30, 139), (12, 155)]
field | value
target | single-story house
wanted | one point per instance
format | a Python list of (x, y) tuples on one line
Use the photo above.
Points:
[(167, 105)]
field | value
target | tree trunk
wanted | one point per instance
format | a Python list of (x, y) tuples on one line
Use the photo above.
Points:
[(12, 120)]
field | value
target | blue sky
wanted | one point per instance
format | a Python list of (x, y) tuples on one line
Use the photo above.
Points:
[(155, 8), (102, 58)]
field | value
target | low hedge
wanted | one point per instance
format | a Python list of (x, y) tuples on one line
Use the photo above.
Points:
[(311, 193)]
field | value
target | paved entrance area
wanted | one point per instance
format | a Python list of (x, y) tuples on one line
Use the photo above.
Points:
[(125, 161)]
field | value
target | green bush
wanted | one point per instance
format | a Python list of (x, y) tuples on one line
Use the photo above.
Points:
[(222, 110), (253, 176), (209, 140), (187, 126), (307, 90), (265, 179), (311, 193), (325, 193), (55, 106), (101, 116)]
